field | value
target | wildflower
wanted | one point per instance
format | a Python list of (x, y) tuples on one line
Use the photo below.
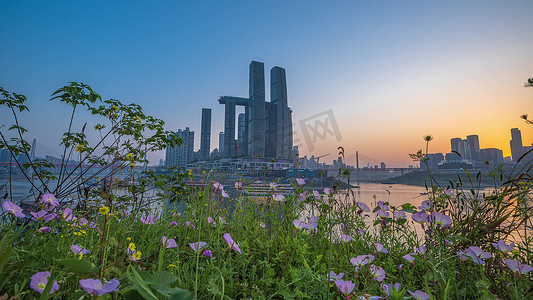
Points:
[(98, 127), (197, 246), (137, 255), (169, 243), (44, 230), (104, 210), (49, 199), (345, 287), (13, 209), (39, 281), (389, 288), (238, 185), (231, 243), (346, 238), (273, 185), (310, 225), (278, 197), (400, 215), (176, 214), (426, 205), (95, 287), (218, 186), (298, 224), (42, 216), (262, 224), (382, 213), (420, 217), (441, 220), (408, 258), (419, 295), (327, 191), (503, 247), (131, 247), (67, 214), (380, 248), (517, 267), (420, 250), (133, 165), (222, 221), (79, 250), (477, 255), (333, 276), (173, 223), (225, 194), (189, 224), (149, 220), (211, 222), (127, 212), (115, 107), (300, 181), (208, 254), (383, 206), (363, 207), (129, 156), (361, 260), (377, 272)]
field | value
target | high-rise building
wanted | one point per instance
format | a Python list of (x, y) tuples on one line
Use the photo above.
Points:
[(182, 155), (473, 142), (492, 154), (256, 110), (221, 144), (205, 135), (516, 144), (5, 155), (280, 115), (455, 144), (241, 124)]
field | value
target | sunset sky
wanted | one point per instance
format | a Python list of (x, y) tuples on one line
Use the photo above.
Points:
[(390, 71)]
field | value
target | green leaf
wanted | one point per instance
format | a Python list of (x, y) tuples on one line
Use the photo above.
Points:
[(181, 295), (164, 278), (76, 265), (5, 251), (140, 285)]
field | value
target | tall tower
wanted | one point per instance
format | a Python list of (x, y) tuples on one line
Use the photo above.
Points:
[(221, 144), (473, 142), (455, 143), (281, 119), (205, 135), (241, 131), (516, 144), (256, 110)]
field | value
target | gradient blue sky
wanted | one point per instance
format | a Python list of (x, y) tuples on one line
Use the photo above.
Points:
[(391, 71)]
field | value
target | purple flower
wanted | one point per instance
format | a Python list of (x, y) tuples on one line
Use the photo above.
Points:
[(189, 224), (503, 247), (419, 295), (346, 238), (327, 191), (77, 249), (380, 248), (67, 214), (197, 246), (363, 207), (420, 217), (44, 229), (49, 200), (298, 224), (95, 287), (420, 250), (173, 223), (300, 181), (169, 243), (477, 255), (310, 225), (447, 192), (238, 185), (400, 215), (361, 260), (333, 276), (39, 281), (176, 214), (441, 220), (273, 185), (211, 222), (517, 266), (149, 220), (218, 186), (377, 272), (225, 194), (409, 258), (389, 288), (43, 216), (278, 197), (13, 209), (382, 213), (316, 194), (426, 205), (208, 254), (383, 206), (346, 287), (231, 242)]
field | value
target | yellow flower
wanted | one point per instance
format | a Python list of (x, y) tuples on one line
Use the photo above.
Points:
[(129, 239), (79, 148), (81, 232), (138, 119), (81, 255), (115, 107), (114, 115), (131, 246), (104, 210), (137, 255), (132, 165)]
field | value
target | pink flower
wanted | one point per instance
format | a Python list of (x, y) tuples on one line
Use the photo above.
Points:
[(380, 248), (389, 288), (173, 223), (421, 250), (383, 206), (363, 207), (419, 295), (273, 185), (361, 260), (300, 181), (49, 200), (225, 194), (44, 230), (43, 216), (345, 287), (382, 213), (170, 243), (409, 258), (400, 215), (95, 287), (316, 194), (231, 243), (477, 255), (298, 224), (346, 238), (211, 222), (13, 209), (176, 214), (377, 272), (503, 247), (208, 254), (278, 197), (517, 266), (238, 185), (189, 224), (441, 220), (67, 214), (333, 276), (218, 186), (420, 217), (197, 246), (327, 191), (149, 220), (39, 281), (426, 205), (77, 249)]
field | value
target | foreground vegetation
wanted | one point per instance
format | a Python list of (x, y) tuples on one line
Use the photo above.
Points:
[(84, 240)]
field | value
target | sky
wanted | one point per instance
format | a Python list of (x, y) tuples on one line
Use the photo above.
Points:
[(387, 72)]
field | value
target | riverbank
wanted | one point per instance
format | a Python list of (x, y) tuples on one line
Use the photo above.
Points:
[(422, 178)]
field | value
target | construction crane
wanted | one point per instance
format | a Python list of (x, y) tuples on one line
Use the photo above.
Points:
[(318, 157)]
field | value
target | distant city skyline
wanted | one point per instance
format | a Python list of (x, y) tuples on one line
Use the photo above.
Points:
[(388, 72)]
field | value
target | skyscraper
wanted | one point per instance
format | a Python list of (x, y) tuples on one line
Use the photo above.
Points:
[(182, 155), (473, 142), (241, 124), (256, 110), (516, 144), (205, 135), (455, 144), (221, 144), (281, 118)]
